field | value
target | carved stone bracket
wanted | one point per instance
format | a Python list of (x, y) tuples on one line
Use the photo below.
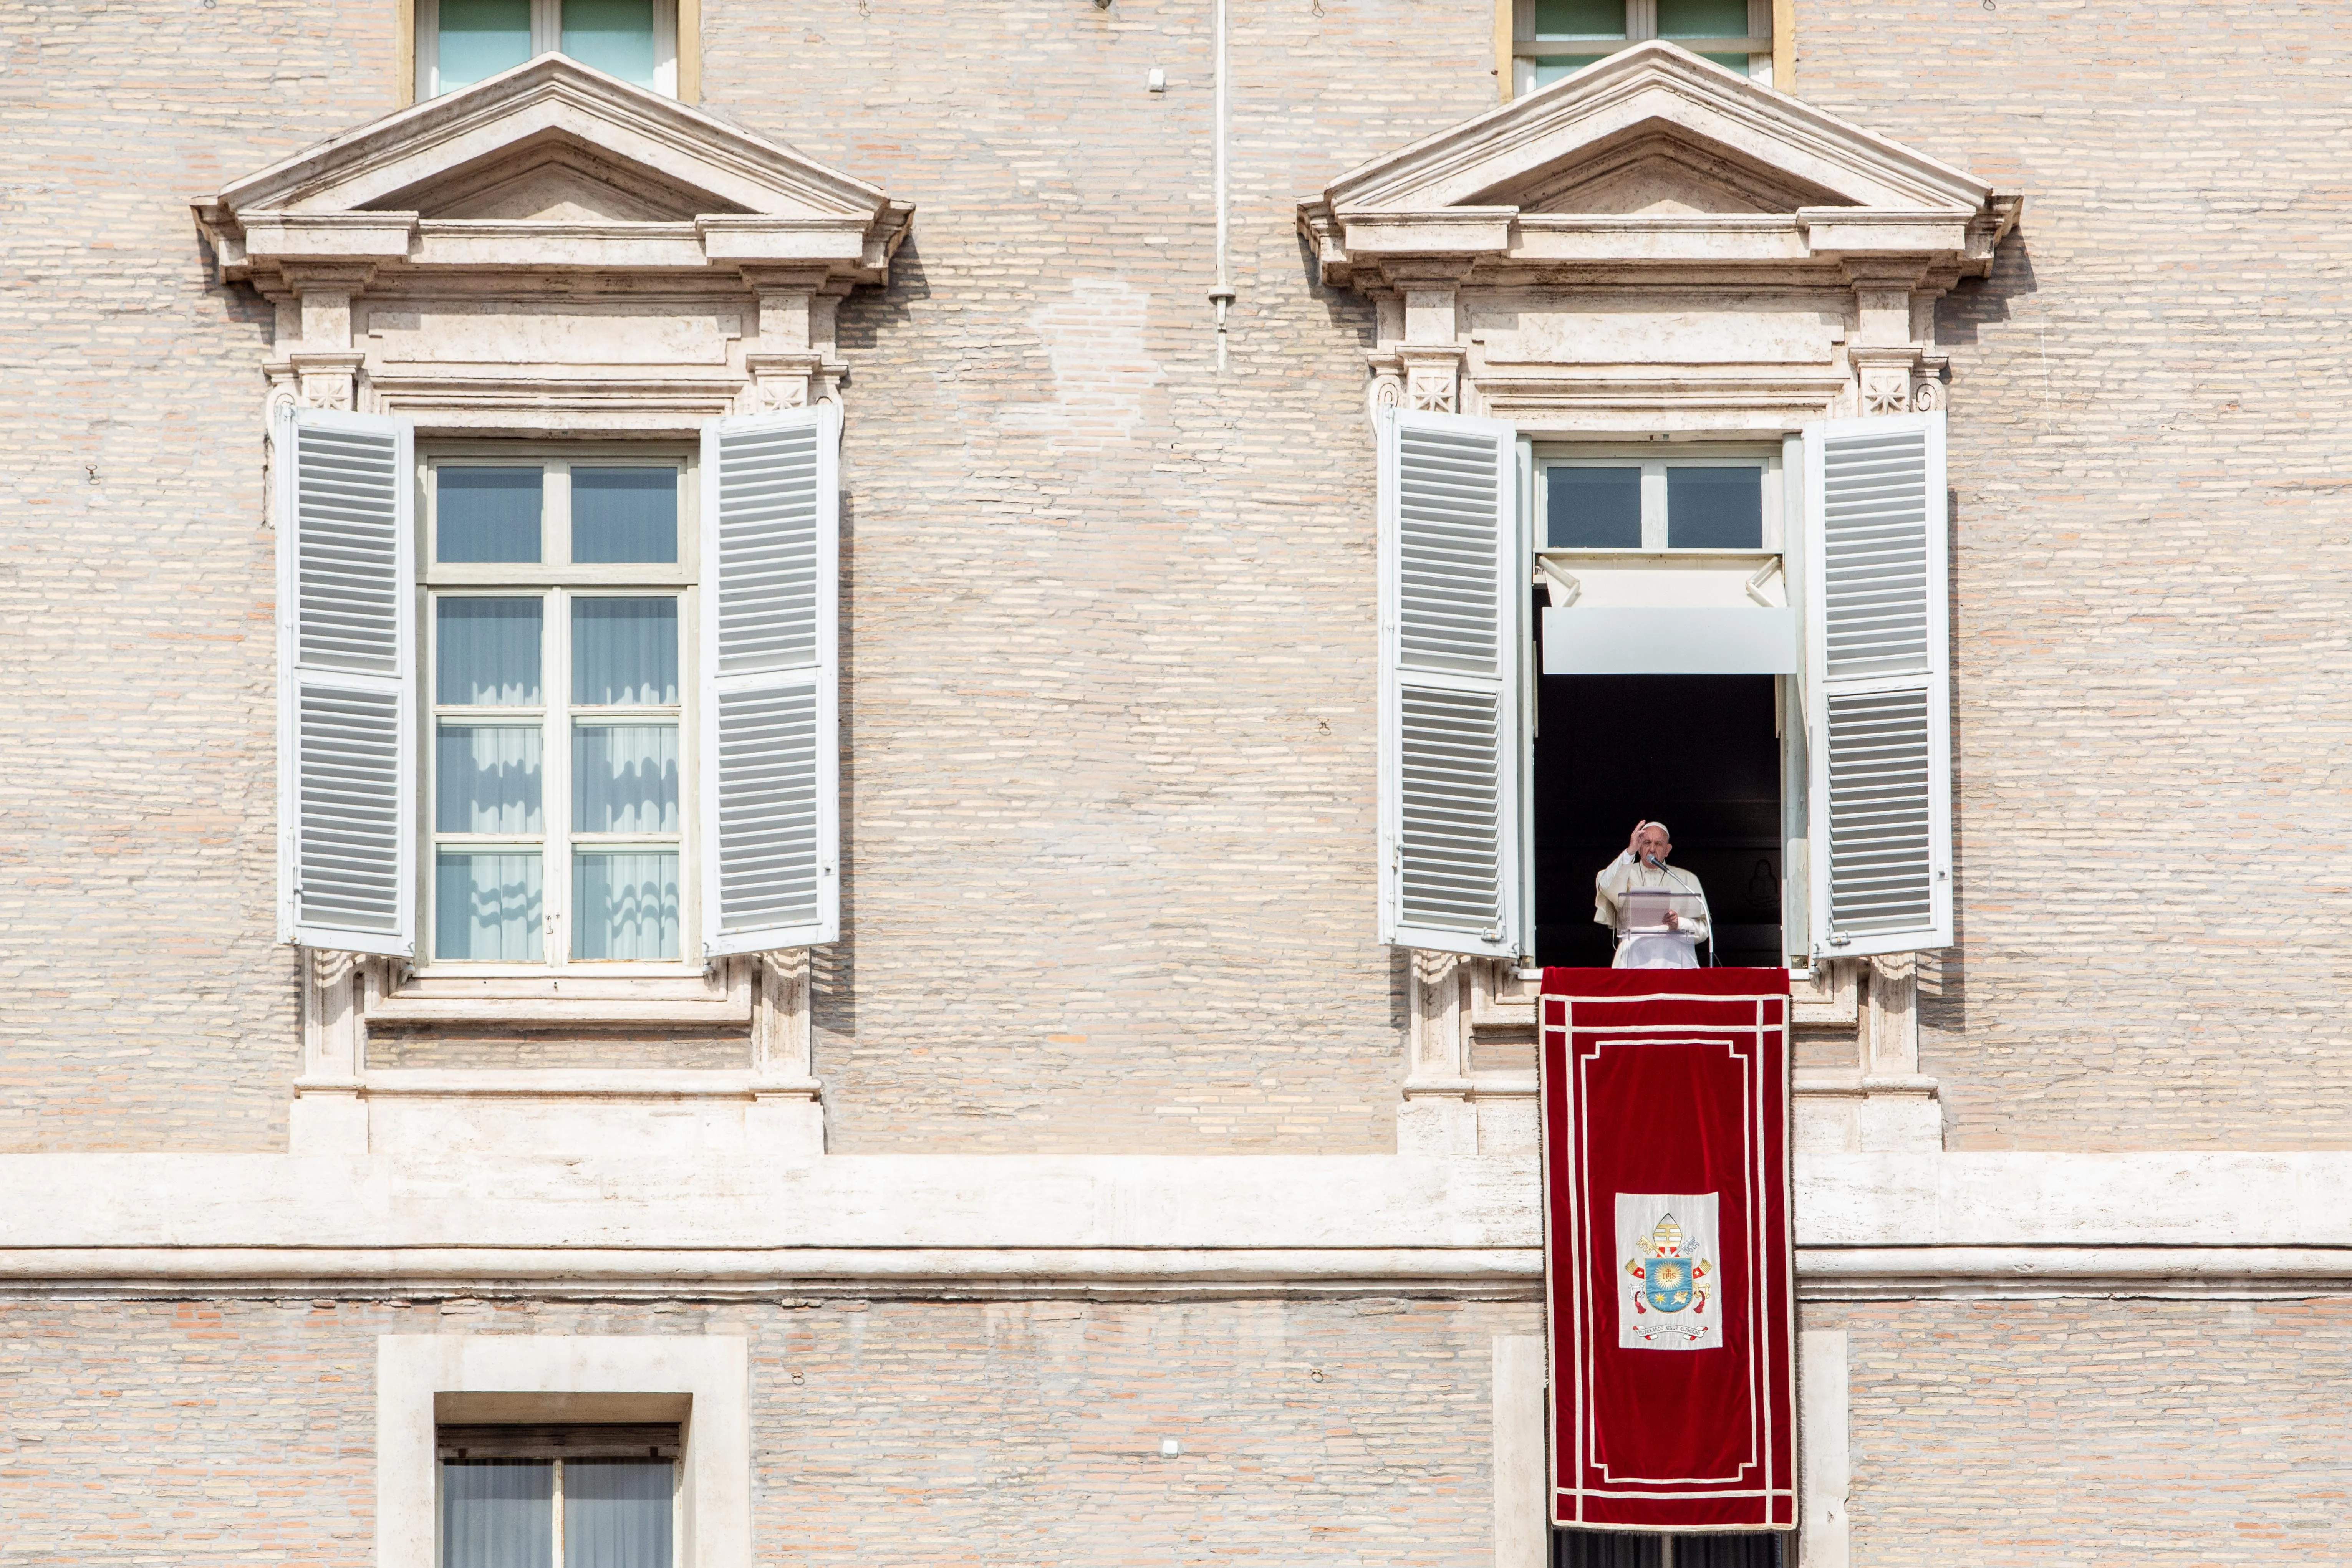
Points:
[(1470, 1082), (787, 1112)]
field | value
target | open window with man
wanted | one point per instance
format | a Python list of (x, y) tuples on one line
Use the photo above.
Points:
[(1655, 912), (1745, 637)]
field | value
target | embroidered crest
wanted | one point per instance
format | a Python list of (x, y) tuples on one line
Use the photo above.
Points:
[(1669, 1303)]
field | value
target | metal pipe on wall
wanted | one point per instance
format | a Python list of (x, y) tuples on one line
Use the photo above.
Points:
[(1221, 296)]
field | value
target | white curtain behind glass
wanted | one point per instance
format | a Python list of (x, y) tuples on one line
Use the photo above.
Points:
[(488, 906), (616, 1513), (625, 778), (490, 779), (623, 514), (624, 652), (625, 904), (488, 652), (498, 1513)]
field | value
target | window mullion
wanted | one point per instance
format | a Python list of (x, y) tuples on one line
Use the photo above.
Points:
[(556, 1534), (558, 772), (546, 26), (1654, 505)]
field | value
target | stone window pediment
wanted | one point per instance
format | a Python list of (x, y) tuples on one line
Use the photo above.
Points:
[(1657, 190), (553, 249)]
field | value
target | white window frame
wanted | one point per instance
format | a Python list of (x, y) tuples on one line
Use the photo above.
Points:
[(558, 581), (546, 39), (1654, 459), (1528, 46), (1782, 503), (701, 1382)]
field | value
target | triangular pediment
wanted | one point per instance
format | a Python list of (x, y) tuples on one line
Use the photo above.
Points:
[(554, 179), (552, 141), (1657, 170), (1655, 130)]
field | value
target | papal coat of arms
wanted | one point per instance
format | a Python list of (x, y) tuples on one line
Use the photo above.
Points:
[(1669, 1303)]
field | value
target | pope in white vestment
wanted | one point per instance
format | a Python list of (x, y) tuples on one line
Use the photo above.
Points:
[(1643, 865)]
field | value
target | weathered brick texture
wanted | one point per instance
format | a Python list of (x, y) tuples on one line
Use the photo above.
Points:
[(2150, 409), (141, 1003), (243, 1432), (1110, 626), (2022, 1434)]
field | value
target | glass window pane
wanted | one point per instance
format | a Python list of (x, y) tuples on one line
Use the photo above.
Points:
[(616, 1513), (1703, 19), (624, 652), (623, 514), (1582, 19), (615, 36), (486, 514), (1729, 62), (1715, 509), (625, 778), (498, 1513), (1548, 71), (488, 779), (1593, 509), (626, 903), (487, 652), (486, 906), (479, 38)]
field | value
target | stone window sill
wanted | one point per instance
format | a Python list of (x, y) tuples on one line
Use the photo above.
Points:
[(721, 997)]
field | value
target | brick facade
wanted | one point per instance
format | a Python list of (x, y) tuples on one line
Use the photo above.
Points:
[(243, 1432), (1107, 704), (2015, 1432), (1109, 627)]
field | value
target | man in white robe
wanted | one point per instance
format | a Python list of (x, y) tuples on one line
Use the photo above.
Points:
[(1643, 865)]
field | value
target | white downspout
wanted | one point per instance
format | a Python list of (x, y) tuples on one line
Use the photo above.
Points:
[(1221, 296)]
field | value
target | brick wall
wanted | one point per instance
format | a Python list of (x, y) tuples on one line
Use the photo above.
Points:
[(1109, 872), (1024, 1432), (2150, 405), (1109, 878), (2020, 1434), (141, 1003)]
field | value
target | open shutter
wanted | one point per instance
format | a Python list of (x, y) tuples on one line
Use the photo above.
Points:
[(1455, 598), (1877, 703), (346, 682), (769, 751)]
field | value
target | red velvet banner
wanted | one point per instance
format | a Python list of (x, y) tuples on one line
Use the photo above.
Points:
[(1666, 1257)]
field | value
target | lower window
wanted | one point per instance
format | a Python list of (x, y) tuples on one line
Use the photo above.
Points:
[(1619, 1548), (559, 1497)]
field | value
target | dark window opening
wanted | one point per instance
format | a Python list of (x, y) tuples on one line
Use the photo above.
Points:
[(1618, 1549), (1699, 752)]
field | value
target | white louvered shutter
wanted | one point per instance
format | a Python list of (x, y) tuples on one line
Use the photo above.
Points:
[(1453, 607), (347, 684), (769, 751), (1877, 668)]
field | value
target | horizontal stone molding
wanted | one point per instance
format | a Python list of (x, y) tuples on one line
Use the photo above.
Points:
[(954, 1274), (753, 1224)]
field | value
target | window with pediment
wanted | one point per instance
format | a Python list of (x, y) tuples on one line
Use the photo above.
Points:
[(554, 412), (1661, 465)]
